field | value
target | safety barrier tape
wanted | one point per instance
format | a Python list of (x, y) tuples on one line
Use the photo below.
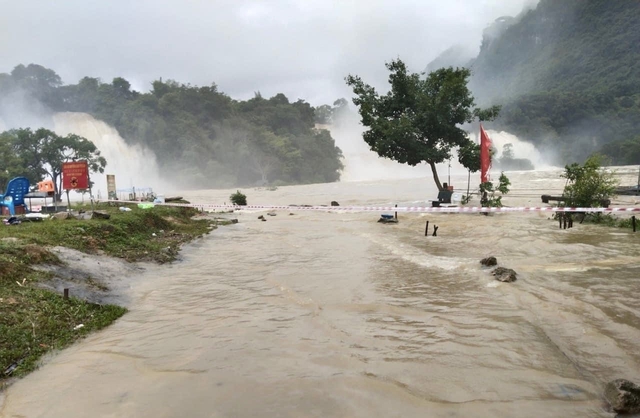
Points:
[(406, 209)]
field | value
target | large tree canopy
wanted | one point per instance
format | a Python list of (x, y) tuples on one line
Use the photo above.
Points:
[(39, 154), (419, 119), (200, 136)]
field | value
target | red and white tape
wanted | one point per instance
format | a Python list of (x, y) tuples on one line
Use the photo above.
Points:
[(407, 209)]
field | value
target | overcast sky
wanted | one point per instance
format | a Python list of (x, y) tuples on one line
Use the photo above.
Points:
[(303, 48)]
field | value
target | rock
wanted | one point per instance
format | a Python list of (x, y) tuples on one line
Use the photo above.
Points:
[(334, 203), (271, 214), (261, 217), (505, 275), (623, 396), (62, 215), (100, 214), (489, 261), (291, 214)]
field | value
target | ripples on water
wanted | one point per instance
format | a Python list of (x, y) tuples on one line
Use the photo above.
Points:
[(325, 314)]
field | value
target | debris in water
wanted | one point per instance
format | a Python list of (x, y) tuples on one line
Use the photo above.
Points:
[(387, 219)]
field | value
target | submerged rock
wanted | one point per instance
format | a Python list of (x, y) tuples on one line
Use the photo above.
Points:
[(505, 275), (489, 261), (623, 396), (334, 203)]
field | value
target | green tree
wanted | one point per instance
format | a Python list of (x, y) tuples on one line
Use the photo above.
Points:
[(588, 184), (198, 133), (11, 165), (469, 156), (507, 151), (488, 191), (419, 119), (43, 152), (323, 115)]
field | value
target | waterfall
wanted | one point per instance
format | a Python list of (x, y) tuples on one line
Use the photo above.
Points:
[(132, 165)]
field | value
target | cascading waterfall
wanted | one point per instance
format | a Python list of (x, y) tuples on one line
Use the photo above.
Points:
[(362, 164), (132, 165)]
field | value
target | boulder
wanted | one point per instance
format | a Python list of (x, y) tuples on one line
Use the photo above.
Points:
[(623, 396), (489, 261), (505, 275), (334, 203), (62, 215), (100, 214)]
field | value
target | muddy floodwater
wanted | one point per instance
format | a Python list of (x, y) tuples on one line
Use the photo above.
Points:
[(322, 314)]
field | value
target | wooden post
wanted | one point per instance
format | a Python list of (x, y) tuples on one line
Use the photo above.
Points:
[(564, 218), (435, 230), (633, 223), (560, 219), (66, 293), (570, 221), (68, 201), (396, 212), (426, 230)]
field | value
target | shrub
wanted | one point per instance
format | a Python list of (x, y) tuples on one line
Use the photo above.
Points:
[(238, 199), (588, 185), (488, 192)]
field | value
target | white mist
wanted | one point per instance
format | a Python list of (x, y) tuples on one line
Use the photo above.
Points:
[(132, 165)]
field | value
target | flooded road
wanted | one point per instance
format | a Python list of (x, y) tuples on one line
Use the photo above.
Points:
[(334, 315)]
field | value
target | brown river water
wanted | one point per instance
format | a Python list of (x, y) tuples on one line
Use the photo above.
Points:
[(322, 314)]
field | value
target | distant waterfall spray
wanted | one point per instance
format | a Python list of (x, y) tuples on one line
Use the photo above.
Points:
[(362, 164), (132, 165)]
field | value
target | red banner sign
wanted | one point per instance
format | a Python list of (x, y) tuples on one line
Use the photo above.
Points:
[(75, 175), (485, 155)]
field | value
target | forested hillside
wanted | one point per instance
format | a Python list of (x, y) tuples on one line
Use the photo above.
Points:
[(199, 134), (568, 76)]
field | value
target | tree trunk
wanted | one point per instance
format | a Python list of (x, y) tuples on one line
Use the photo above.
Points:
[(435, 176), (57, 185)]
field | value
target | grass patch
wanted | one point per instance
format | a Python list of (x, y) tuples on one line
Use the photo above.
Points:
[(140, 235), (35, 321)]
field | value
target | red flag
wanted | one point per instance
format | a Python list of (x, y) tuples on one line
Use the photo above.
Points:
[(485, 155)]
